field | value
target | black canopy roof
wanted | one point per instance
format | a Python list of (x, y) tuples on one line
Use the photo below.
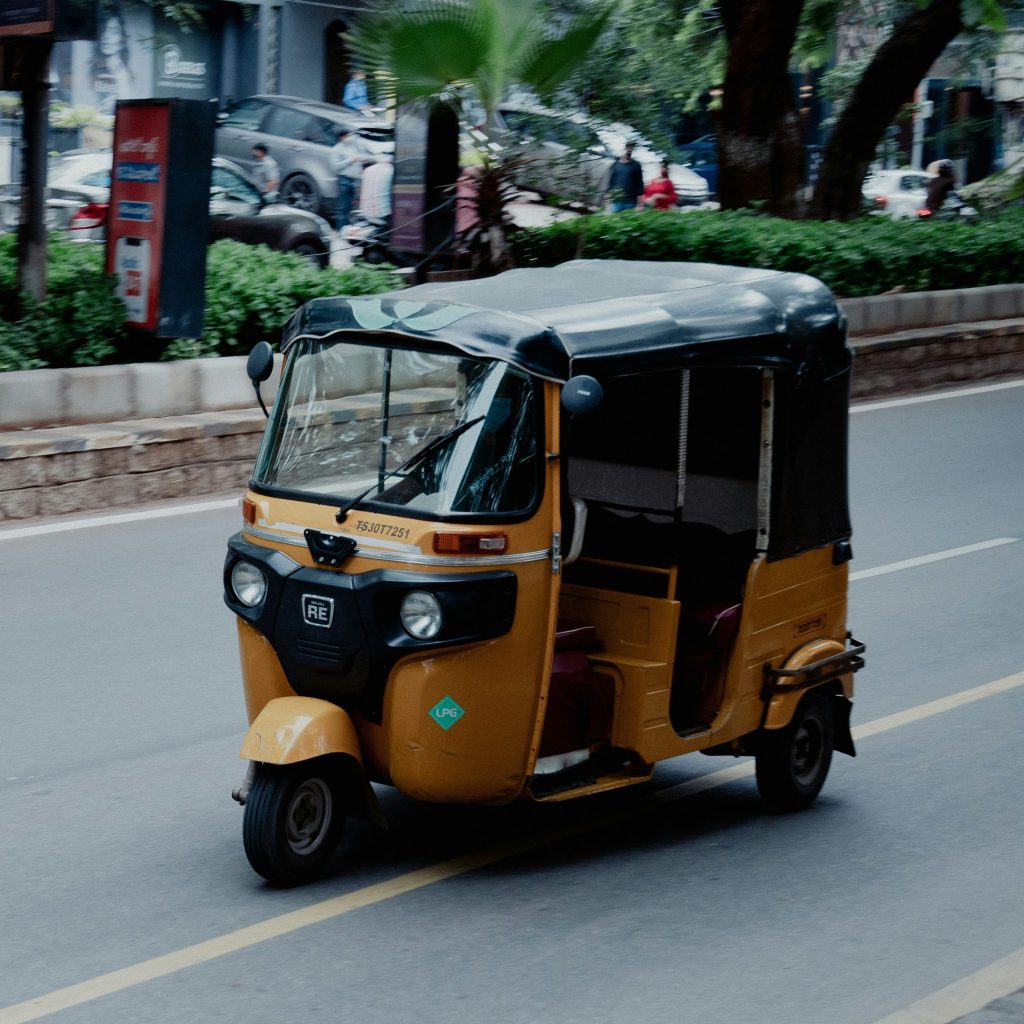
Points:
[(607, 316)]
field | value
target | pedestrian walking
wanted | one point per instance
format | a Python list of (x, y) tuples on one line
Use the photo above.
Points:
[(348, 158), (625, 181), (266, 172)]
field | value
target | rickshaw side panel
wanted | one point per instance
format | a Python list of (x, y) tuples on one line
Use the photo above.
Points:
[(791, 605), (638, 636), (489, 694)]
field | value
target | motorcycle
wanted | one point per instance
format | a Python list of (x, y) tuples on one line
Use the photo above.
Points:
[(369, 237)]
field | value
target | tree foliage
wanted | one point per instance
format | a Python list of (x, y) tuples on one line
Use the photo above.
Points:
[(661, 58), (451, 51)]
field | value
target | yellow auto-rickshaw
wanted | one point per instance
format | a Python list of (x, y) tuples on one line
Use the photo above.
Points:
[(525, 537)]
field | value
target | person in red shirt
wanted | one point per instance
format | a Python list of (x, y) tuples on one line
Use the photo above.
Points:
[(661, 193)]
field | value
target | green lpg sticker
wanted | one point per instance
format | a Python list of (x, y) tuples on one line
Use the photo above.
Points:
[(446, 713)]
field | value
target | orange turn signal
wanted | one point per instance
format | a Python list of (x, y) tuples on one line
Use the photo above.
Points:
[(249, 510), (470, 543)]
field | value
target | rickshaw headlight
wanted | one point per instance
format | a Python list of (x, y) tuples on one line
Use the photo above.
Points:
[(248, 583), (421, 615)]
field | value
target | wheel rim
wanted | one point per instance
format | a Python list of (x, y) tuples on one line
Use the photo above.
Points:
[(309, 816), (808, 745), (299, 194)]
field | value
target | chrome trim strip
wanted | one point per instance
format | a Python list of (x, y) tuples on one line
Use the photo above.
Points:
[(418, 559)]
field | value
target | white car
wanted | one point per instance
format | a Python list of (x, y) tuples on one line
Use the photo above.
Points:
[(896, 193), (690, 187)]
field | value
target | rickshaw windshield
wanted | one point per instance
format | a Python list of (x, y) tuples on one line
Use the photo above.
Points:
[(348, 418)]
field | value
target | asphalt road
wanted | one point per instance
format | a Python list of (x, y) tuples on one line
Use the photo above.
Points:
[(122, 877)]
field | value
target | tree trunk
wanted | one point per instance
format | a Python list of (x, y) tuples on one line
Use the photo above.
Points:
[(889, 82), (759, 151), (35, 98)]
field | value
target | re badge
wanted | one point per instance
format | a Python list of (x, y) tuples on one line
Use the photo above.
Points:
[(317, 611)]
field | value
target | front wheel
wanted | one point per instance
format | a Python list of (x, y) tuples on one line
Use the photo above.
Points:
[(292, 822), (791, 763)]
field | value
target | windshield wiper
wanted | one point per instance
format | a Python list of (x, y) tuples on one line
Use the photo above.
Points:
[(413, 460)]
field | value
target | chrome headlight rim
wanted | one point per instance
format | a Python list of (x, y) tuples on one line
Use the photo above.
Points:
[(421, 615), (248, 583)]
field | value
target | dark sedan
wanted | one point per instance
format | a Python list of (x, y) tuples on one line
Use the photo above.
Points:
[(78, 197)]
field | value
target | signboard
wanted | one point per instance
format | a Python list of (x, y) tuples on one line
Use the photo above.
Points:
[(26, 17), (159, 213), (62, 19), (137, 202)]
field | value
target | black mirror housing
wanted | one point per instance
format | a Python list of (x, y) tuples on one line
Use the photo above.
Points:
[(582, 395), (260, 364)]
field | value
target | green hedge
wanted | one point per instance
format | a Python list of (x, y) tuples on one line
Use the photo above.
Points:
[(250, 293), (862, 257)]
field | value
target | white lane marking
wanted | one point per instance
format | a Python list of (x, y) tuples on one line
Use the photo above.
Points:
[(966, 995), (121, 517), (325, 910), (938, 556), (938, 396)]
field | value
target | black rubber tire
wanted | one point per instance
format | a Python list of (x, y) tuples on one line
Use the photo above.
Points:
[(293, 820), (301, 192), (312, 253), (792, 763)]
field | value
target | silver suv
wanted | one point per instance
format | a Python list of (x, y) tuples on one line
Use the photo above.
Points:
[(299, 135)]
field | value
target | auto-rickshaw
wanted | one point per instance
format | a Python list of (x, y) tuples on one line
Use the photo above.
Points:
[(527, 536)]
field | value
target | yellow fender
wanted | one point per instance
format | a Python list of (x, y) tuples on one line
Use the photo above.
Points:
[(293, 729), (782, 706)]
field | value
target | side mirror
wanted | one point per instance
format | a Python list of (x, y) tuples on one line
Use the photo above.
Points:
[(581, 395), (259, 367)]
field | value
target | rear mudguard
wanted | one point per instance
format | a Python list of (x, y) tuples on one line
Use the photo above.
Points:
[(781, 706), (293, 729)]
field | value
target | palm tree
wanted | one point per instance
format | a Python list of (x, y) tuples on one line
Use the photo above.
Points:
[(457, 52)]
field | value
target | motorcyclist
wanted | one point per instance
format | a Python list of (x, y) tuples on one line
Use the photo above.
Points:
[(941, 186)]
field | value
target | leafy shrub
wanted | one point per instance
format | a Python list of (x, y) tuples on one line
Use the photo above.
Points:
[(862, 257), (251, 291), (81, 321)]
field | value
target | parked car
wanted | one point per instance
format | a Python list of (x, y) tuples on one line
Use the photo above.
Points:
[(78, 200), (299, 135), (690, 187), (74, 180), (572, 155), (566, 154), (896, 193), (701, 156)]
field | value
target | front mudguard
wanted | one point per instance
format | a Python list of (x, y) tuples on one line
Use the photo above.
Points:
[(293, 729)]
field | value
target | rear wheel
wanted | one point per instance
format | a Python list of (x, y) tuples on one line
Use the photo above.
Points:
[(301, 191), (311, 253), (292, 822), (792, 763)]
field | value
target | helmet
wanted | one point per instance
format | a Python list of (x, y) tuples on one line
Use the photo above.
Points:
[(945, 168)]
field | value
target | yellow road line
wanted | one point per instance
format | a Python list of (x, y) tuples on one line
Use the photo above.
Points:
[(966, 995), (325, 910)]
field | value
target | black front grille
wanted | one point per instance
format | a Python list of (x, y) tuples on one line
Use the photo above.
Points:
[(319, 651)]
